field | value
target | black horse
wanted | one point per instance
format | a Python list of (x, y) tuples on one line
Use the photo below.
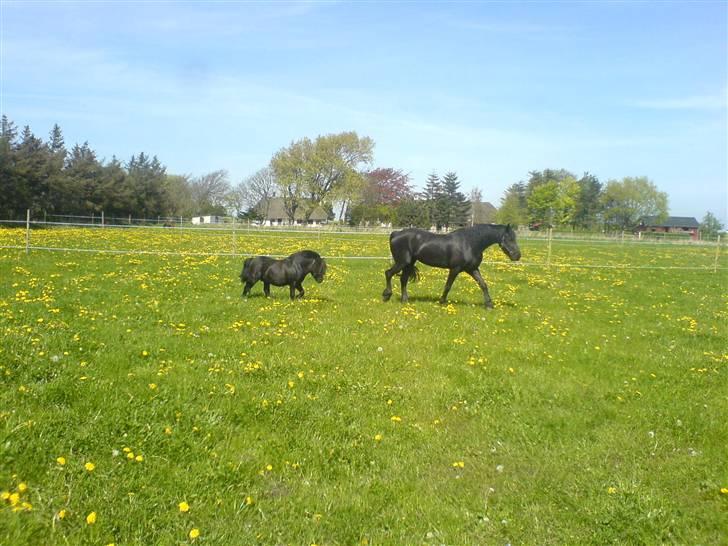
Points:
[(253, 269), (461, 250), (292, 270)]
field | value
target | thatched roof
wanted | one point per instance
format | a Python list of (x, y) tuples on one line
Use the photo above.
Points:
[(277, 210), (483, 213)]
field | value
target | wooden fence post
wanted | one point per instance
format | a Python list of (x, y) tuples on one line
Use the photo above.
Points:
[(548, 256), (27, 231), (234, 241), (717, 253)]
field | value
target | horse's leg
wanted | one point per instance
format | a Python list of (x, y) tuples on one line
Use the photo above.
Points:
[(403, 285), (266, 289), (248, 286), (388, 274), (484, 287), (448, 285), (292, 286), (300, 289)]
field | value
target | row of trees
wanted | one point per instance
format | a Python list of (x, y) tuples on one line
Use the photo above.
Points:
[(558, 198), (48, 178), (331, 171)]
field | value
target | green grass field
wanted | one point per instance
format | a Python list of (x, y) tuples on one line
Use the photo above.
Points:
[(589, 407)]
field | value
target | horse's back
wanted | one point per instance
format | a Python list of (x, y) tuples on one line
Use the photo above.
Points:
[(408, 241)]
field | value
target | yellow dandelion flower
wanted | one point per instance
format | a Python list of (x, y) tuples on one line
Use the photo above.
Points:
[(612, 490), (62, 513), (90, 466), (724, 490), (167, 430), (130, 455), (22, 487), (61, 460), (139, 458), (184, 507), (152, 386), (249, 501), (14, 499), (5, 495), (378, 437), (91, 518), (458, 464), (194, 533), (269, 467)]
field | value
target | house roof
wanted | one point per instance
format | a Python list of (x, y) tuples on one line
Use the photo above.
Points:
[(671, 221), (277, 210), (483, 213)]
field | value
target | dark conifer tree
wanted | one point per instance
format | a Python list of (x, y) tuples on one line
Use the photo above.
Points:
[(455, 207), (432, 196)]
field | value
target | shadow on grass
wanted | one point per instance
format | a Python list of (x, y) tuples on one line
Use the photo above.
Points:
[(285, 297)]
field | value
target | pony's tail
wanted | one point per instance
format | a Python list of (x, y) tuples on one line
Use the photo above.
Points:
[(246, 267), (412, 272)]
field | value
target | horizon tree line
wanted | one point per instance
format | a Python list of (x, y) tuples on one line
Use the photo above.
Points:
[(331, 171)]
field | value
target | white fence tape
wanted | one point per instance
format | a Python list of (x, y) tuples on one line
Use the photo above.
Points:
[(380, 258)]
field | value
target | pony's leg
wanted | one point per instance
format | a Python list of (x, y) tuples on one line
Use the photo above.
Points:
[(266, 289), (448, 285), (300, 289), (248, 286), (484, 287), (293, 290), (388, 274)]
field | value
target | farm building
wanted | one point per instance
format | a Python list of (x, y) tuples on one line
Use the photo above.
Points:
[(207, 220), (482, 213), (274, 214), (681, 225)]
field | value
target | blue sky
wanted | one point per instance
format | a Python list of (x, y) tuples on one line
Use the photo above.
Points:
[(490, 90)]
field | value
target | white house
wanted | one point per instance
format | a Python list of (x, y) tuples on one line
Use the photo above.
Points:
[(207, 220)]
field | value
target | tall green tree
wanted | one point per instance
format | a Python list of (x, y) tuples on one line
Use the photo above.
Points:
[(454, 206), (628, 200), (312, 173), (513, 207), (432, 197), (31, 173), (148, 179), (9, 182), (588, 206), (710, 227)]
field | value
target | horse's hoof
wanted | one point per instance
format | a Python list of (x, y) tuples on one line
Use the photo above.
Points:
[(489, 305), (386, 296), (442, 301)]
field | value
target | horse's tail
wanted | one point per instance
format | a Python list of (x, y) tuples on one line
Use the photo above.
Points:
[(412, 272)]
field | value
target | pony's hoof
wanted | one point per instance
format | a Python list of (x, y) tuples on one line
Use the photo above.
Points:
[(386, 296), (442, 301), (489, 305)]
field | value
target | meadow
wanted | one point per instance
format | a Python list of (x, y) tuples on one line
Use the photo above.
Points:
[(144, 401)]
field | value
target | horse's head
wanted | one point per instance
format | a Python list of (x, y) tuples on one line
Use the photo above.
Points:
[(319, 270), (508, 244)]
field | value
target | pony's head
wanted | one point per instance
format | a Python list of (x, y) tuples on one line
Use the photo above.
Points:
[(319, 270), (508, 244)]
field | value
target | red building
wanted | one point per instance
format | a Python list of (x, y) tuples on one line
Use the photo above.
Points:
[(686, 226)]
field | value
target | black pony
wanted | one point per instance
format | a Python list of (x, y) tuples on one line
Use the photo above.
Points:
[(461, 250), (253, 269), (289, 271)]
